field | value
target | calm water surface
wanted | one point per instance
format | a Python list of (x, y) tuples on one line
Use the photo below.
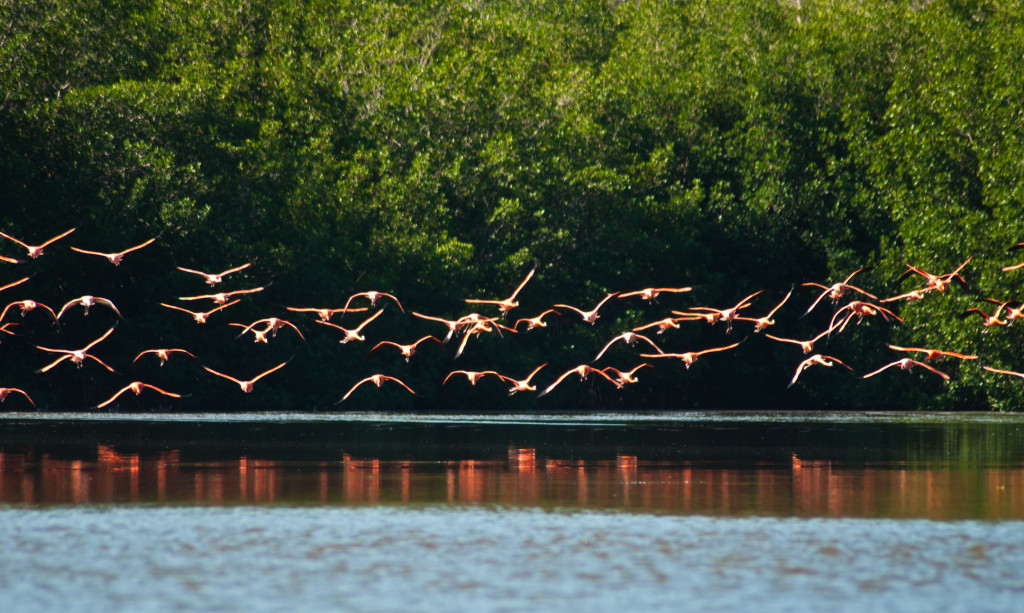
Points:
[(794, 512)]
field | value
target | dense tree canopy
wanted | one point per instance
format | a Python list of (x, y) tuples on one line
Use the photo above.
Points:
[(440, 151)]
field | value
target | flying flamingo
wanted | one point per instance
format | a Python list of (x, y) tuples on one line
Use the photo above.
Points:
[(325, 314), (137, 387), (987, 320), (406, 350), (917, 294), (76, 356), (630, 337), (729, 314), (932, 354), (273, 325), (35, 251), (937, 282), (859, 310), (908, 364), (374, 296), (377, 380), (509, 303), (582, 371), (353, 334), (26, 306), (1014, 266), (1004, 372), (223, 297), (625, 377), (665, 324), (88, 301), (522, 385), (201, 317), (1012, 312), (835, 291), (246, 385), (535, 322), (486, 325), (452, 325), (589, 316), (5, 391), (760, 323), (472, 375), (823, 360), (807, 345), (114, 258), (162, 354), (215, 278), (688, 357), (650, 294)]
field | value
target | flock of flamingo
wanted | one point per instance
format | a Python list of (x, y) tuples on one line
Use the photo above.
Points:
[(473, 325)]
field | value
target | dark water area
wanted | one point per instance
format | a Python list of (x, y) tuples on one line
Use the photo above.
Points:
[(379, 512), (913, 465)]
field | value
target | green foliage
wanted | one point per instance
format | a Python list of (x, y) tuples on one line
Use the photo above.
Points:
[(439, 151)]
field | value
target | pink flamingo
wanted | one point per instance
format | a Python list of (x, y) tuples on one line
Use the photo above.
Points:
[(35, 251), (374, 296), (932, 354), (760, 323), (650, 294), (406, 350), (273, 325), (522, 385), (216, 277), (246, 385), (823, 360), (5, 391), (535, 322), (937, 282), (908, 364), (836, 290), (689, 357), (630, 338), (325, 314), (88, 301), (589, 316), (625, 377), (223, 297), (200, 317), (162, 354), (137, 387), (26, 306), (472, 375), (808, 345), (77, 356), (729, 314), (377, 380), (581, 371), (353, 334), (509, 303), (114, 258)]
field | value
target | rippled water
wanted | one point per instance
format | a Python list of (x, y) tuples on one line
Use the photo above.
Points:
[(499, 513)]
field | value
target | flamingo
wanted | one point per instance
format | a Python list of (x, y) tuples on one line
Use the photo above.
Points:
[(729, 314), (522, 385), (760, 323), (860, 310), (987, 320), (1004, 372), (472, 375), (535, 322), (374, 296), (932, 354), (630, 337), (481, 326), (162, 354), (215, 278), (688, 357), (77, 356), (664, 324), (589, 316), (582, 371), (937, 282), (223, 297), (114, 258), (823, 360), (907, 364), (201, 317), (406, 350), (625, 377), (325, 314), (137, 387), (88, 301), (807, 345), (353, 334), (246, 385), (26, 306), (835, 291), (273, 325), (377, 380), (1012, 312), (509, 303), (6, 391), (650, 294), (452, 325), (35, 251), (917, 294)]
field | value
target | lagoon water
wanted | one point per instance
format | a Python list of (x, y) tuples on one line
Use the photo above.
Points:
[(362, 512)]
